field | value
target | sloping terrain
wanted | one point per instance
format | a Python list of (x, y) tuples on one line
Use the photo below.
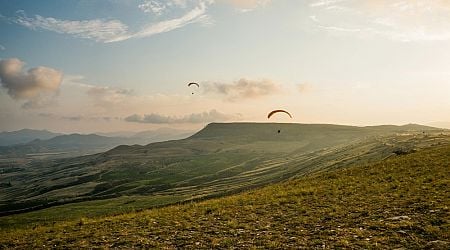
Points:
[(399, 203), (220, 159)]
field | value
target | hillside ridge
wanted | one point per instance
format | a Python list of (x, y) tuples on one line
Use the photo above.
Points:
[(234, 129)]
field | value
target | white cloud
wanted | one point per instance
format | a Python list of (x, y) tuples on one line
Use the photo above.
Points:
[(2, 47), (153, 6), (107, 31), (398, 20), (111, 30), (195, 15), (158, 7), (37, 86), (98, 30), (243, 89), (205, 117)]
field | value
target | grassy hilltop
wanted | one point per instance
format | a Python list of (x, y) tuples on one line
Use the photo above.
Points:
[(403, 201)]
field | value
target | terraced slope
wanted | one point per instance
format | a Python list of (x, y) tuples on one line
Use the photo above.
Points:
[(400, 202)]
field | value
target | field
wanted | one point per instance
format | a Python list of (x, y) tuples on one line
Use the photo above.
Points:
[(400, 202)]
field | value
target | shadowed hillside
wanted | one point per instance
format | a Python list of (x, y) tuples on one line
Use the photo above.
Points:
[(402, 202)]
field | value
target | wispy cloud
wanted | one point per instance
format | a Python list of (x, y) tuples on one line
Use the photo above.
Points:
[(113, 30), (152, 6), (198, 14), (205, 117), (398, 20), (327, 3), (2, 47), (118, 100), (158, 7), (110, 30), (76, 118), (243, 89), (37, 86), (246, 5), (102, 96), (98, 30)]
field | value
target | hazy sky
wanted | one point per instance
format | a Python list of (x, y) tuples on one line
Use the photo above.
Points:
[(110, 65)]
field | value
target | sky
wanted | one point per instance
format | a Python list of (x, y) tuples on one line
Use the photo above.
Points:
[(124, 65)]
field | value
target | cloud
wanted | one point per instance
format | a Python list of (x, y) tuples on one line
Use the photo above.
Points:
[(195, 15), (108, 31), (398, 20), (243, 89), (103, 96), (325, 3), (152, 6), (76, 118), (246, 5), (107, 96), (2, 47), (205, 117), (158, 7), (37, 85), (98, 30), (59, 117), (102, 99)]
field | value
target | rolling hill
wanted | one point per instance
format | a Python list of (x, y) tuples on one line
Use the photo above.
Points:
[(397, 203), (218, 160)]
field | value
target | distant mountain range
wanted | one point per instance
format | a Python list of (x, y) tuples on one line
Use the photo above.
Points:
[(28, 142), (24, 136)]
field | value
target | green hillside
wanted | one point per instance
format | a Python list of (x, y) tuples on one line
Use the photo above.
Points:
[(401, 202), (219, 160)]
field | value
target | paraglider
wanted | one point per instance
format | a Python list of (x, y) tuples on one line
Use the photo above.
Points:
[(193, 83), (278, 111)]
